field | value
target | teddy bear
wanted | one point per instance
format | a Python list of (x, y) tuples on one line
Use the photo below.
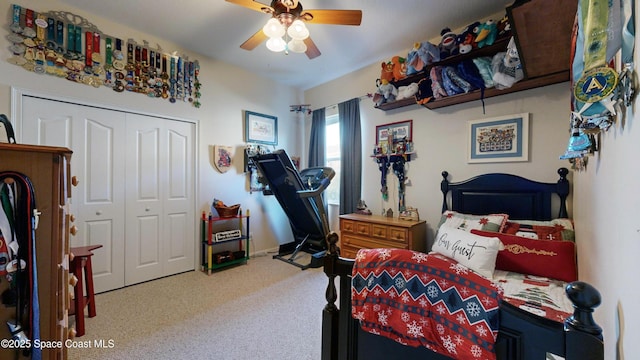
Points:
[(407, 91), (399, 69), (387, 92), (448, 46), (422, 55)]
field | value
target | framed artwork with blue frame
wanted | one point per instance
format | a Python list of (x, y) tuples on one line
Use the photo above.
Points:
[(500, 139), (260, 128)]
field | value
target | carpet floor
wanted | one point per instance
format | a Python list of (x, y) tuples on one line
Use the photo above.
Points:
[(266, 309)]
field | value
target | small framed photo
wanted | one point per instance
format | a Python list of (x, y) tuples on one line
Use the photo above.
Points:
[(397, 131), (500, 139), (260, 128)]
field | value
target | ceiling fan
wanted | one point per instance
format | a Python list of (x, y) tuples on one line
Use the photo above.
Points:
[(286, 12)]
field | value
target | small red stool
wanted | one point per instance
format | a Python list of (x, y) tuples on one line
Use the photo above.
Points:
[(81, 267)]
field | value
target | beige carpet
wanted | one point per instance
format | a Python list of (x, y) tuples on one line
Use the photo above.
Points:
[(266, 309)]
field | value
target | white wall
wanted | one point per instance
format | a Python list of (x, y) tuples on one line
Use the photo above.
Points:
[(226, 92), (604, 203)]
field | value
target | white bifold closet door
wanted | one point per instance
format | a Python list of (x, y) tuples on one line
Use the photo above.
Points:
[(135, 195)]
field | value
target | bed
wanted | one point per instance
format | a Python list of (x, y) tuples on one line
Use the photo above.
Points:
[(522, 334)]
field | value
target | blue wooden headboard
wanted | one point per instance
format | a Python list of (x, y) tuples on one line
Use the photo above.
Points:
[(496, 193)]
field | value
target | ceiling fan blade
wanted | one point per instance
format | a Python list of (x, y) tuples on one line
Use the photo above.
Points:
[(312, 49), (335, 17), (255, 40), (251, 4)]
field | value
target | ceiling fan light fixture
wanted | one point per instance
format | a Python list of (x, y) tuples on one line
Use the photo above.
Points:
[(297, 46), (276, 44), (273, 28), (297, 30)]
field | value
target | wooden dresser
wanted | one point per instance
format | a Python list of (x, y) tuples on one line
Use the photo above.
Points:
[(374, 231), (48, 169)]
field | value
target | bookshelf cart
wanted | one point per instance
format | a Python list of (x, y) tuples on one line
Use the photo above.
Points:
[(212, 261)]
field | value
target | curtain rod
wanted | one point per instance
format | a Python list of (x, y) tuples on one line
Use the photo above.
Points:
[(359, 98)]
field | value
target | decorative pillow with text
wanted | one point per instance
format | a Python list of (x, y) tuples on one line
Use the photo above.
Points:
[(552, 259), (478, 253)]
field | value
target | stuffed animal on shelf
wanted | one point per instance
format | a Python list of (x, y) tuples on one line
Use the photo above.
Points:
[(425, 93), (407, 91), (486, 33), (386, 72), (448, 45), (504, 27), (467, 39), (483, 64), (436, 82), (506, 67), (387, 91), (423, 54), (399, 69)]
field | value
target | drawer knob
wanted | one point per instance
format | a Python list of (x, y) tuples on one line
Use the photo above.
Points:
[(73, 230), (74, 180)]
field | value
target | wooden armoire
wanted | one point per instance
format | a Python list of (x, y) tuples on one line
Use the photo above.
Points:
[(48, 169)]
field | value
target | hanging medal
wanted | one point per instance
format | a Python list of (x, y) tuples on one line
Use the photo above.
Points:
[(196, 83), (28, 30), (172, 80), (165, 77), (15, 25), (130, 67)]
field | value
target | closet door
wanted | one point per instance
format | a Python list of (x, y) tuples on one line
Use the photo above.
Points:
[(96, 137), (159, 226), (136, 191), (179, 213)]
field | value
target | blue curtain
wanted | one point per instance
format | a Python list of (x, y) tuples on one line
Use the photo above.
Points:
[(317, 140), (351, 155)]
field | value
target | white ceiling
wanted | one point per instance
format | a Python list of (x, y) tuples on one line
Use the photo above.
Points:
[(216, 28)]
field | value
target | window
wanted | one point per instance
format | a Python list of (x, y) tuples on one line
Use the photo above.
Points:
[(332, 155)]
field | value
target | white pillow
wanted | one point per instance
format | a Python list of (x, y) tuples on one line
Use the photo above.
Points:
[(478, 253)]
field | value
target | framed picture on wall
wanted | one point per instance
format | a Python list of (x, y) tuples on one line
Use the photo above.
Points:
[(260, 128), (401, 130), (500, 139)]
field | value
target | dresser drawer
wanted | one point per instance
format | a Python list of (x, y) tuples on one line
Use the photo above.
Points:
[(372, 243), (379, 231), (398, 234), (347, 226)]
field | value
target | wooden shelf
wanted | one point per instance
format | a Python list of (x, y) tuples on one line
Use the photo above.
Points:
[(476, 94), (519, 86)]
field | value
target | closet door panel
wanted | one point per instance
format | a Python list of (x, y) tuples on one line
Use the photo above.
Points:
[(178, 202), (101, 193), (96, 137), (145, 185)]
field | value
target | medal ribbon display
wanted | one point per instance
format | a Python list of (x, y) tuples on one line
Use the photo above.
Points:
[(39, 44)]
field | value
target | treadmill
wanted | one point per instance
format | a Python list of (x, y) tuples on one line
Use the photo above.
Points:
[(300, 195)]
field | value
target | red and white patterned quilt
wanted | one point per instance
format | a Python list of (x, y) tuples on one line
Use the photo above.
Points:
[(429, 300)]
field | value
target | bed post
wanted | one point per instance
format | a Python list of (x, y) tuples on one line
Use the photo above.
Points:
[(563, 191), (330, 313), (444, 187), (583, 336)]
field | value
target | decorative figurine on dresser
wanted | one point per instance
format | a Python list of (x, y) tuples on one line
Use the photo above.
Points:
[(37, 302)]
